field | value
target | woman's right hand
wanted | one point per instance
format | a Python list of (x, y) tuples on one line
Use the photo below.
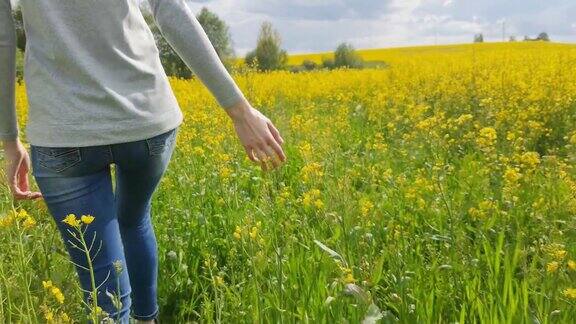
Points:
[(17, 167), (260, 138)]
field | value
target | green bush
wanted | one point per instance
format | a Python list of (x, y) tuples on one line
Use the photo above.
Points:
[(346, 56), (328, 63), (19, 65), (309, 65), (268, 54)]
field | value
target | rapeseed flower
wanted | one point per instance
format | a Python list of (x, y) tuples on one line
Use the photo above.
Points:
[(570, 293), (71, 220), (87, 219), (552, 266)]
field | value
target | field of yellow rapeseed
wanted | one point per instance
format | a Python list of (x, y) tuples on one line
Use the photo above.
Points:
[(440, 188)]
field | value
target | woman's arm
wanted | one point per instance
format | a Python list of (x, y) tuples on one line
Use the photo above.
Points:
[(184, 33), (178, 25), (15, 154), (8, 121)]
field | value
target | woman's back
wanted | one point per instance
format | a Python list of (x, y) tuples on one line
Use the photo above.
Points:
[(93, 75)]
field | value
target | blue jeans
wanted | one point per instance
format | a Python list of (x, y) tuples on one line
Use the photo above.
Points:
[(77, 180)]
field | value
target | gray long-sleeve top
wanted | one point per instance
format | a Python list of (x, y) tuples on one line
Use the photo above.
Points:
[(93, 74)]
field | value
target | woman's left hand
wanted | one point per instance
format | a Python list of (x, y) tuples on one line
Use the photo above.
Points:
[(17, 168), (260, 138)]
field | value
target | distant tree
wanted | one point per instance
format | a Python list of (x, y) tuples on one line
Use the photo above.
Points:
[(328, 63), (479, 38), (268, 53), (215, 29), (251, 59), (171, 61), (19, 26), (346, 56), (309, 65), (219, 34), (512, 38), (19, 65), (543, 37)]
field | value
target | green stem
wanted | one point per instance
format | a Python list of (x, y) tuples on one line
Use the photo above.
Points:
[(92, 278), (25, 276)]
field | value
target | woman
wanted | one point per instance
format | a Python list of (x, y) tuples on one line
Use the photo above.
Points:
[(97, 95)]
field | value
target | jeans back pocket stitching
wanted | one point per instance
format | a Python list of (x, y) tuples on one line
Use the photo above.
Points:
[(76, 152), (158, 144), (55, 152)]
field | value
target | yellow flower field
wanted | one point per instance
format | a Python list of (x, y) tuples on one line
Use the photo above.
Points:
[(438, 189)]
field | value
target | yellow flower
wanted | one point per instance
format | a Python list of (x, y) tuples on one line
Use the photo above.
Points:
[(311, 198), (486, 205), (511, 175), (219, 281), (571, 264), (99, 311), (573, 139), (311, 170), (55, 291), (57, 294), (254, 232), (47, 284), (225, 172), (49, 316), (552, 266), (530, 159), (476, 213), (487, 137), (570, 293), (22, 214), (349, 278), (6, 221), (71, 220), (87, 219), (559, 254), (65, 318), (238, 233), (365, 206), (29, 222), (197, 150)]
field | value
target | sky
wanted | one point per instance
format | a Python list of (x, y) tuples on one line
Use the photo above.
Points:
[(308, 26), (311, 26)]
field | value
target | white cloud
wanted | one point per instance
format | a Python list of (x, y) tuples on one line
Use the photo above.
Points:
[(319, 25)]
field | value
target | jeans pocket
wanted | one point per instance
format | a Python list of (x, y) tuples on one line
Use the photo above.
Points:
[(159, 143), (58, 159)]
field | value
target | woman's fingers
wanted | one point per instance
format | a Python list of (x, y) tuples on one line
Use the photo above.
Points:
[(275, 133), (276, 147), (270, 156), (250, 152), (262, 141), (262, 159), (23, 176)]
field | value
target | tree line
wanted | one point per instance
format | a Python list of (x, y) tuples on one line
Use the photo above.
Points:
[(268, 55), (479, 38)]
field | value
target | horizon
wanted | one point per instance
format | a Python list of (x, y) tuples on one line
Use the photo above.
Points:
[(429, 45)]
